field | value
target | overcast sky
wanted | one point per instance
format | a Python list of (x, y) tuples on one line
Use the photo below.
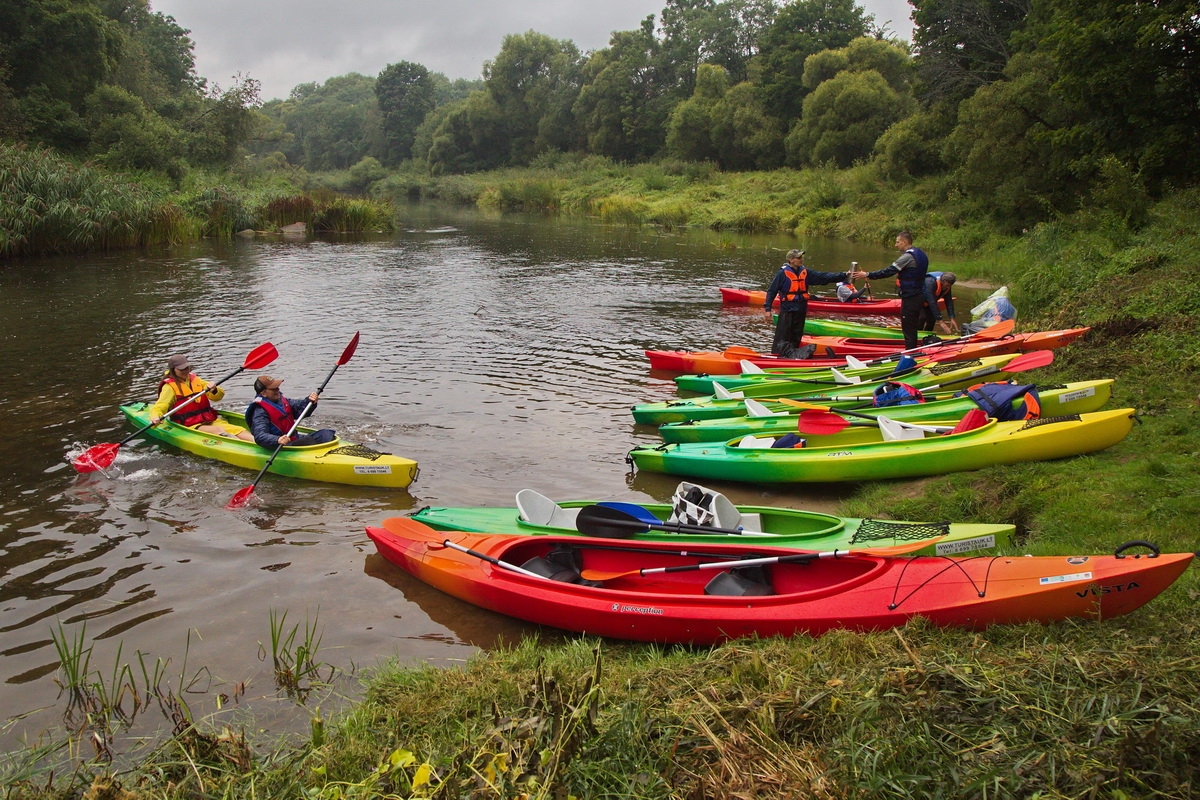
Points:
[(283, 44)]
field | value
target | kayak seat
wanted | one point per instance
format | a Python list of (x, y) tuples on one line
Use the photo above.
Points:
[(750, 441), (756, 409), (560, 564), (698, 505), (740, 583), (894, 431), (537, 509)]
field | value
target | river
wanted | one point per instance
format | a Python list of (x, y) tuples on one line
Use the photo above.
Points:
[(500, 352)]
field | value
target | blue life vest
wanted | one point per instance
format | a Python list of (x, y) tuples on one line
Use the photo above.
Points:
[(896, 394), (998, 399)]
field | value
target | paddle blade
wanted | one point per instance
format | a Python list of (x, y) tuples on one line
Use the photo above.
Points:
[(1025, 361), (260, 356), (608, 522), (821, 423), (633, 510), (997, 331), (100, 456), (348, 353), (240, 498)]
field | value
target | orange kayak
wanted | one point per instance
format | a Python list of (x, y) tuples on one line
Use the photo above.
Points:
[(656, 592)]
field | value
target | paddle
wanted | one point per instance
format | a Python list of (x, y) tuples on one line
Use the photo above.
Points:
[(242, 496), (898, 550), (1022, 363), (821, 421), (102, 455), (608, 522)]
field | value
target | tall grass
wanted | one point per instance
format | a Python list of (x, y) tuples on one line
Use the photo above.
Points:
[(51, 205)]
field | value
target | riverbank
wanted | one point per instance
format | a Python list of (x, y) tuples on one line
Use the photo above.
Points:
[(1098, 709)]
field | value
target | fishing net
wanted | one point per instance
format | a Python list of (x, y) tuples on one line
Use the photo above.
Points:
[(952, 366), (354, 451)]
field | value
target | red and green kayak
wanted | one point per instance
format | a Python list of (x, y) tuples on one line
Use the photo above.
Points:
[(863, 453), (1079, 397), (656, 592)]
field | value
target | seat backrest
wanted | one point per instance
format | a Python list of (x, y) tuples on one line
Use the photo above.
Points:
[(975, 418), (750, 441), (535, 508), (894, 431), (750, 368), (757, 409), (722, 393)]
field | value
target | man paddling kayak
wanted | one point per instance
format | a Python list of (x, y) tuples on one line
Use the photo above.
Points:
[(270, 416), (178, 384)]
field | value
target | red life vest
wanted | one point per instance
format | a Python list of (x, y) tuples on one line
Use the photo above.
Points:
[(197, 412), (281, 416), (798, 286)]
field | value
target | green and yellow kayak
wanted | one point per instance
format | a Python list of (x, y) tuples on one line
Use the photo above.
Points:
[(336, 462), (1079, 397), (862, 453), (536, 514)]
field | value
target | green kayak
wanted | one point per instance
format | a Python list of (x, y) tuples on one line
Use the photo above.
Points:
[(950, 375), (1071, 398), (696, 507), (869, 453), (335, 462)]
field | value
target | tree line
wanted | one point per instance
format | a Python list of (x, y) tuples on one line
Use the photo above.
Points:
[(1020, 108)]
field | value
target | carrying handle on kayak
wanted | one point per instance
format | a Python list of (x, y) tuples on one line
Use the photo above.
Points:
[(1154, 551)]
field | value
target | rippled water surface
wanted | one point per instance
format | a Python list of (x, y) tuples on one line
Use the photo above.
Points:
[(499, 352)]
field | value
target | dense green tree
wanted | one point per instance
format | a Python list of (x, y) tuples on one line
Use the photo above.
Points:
[(852, 102), (744, 135), (624, 104), (471, 135), (799, 30), (710, 32), (1003, 152), (534, 81), (689, 128), (126, 135), (963, 44), (912, 147), (405, 95), (333, 125), (1130, 72)]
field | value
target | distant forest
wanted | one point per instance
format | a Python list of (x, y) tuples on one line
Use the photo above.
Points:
[(1029, 107)]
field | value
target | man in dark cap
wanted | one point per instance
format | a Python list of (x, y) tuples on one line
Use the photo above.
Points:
[(938, 286), (790, 285), (270, 416)]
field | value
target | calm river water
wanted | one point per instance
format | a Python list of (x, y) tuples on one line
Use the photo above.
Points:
[(500, 352)]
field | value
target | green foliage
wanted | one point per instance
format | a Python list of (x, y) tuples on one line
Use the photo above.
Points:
[(963, 44), (405, 94), (843, 119), (330, 126), (912, 147)]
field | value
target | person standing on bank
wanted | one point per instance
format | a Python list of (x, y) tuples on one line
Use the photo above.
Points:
[(270, 416), (912, 267), (790, 285), (938, 286)]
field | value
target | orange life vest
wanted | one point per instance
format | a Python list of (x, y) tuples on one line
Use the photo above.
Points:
[(198, 412), (798, 284)]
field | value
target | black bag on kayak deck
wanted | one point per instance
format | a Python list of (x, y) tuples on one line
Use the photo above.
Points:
[(999, 400)]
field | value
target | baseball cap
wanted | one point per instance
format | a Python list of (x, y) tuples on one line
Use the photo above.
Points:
[(178, 362), (266, 382)]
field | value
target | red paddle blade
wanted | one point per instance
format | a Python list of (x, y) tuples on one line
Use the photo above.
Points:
[(1038, 358), (100, 456), (260, 356), (821, 422), (240, 499), (348, 353)]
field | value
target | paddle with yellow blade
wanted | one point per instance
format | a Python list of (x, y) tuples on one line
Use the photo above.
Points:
[(102, 456), (242, 496)]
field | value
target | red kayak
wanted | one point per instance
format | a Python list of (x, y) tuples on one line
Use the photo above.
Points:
[(832, 354), (656, 592), (824, 305)]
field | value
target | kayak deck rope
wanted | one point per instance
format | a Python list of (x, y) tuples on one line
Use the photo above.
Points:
[(1033, 423), (873, 530), (354, 451), (953, 366), (951, 563)]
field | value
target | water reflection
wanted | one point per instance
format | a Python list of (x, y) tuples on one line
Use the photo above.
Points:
[(499, 352)]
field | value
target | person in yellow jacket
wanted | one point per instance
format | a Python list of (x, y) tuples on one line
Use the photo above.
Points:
[(180, 383)]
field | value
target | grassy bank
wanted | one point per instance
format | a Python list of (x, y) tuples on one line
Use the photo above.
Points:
[(1073, 710)]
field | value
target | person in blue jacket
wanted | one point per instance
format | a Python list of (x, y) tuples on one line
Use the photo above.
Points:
[(270, 416), (790, 285), (911, 266)]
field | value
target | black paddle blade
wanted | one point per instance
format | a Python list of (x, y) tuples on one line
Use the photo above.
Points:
[(609, 523)]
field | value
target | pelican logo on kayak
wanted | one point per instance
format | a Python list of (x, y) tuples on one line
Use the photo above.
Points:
[(620, 609)]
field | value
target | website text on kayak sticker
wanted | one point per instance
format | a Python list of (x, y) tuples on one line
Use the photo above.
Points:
[(372, 469), (964, 545)]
